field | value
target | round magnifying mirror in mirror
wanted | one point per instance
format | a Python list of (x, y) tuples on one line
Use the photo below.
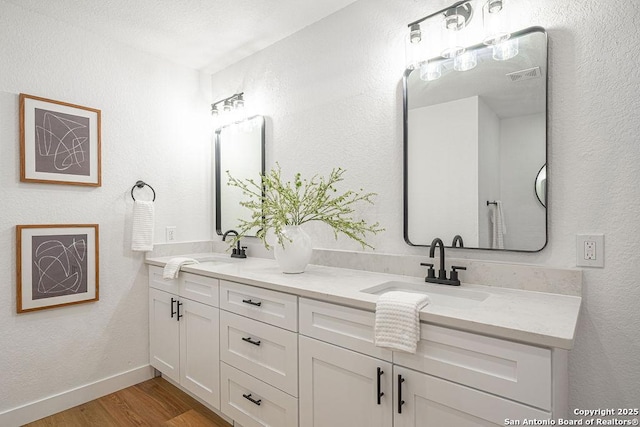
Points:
[(541, 185)]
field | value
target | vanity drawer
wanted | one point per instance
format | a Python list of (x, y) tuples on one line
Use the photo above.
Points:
[(157, 282), (268, 405), (198, 288), (343, 326), (516, 371), (268, 306), (264, 351)]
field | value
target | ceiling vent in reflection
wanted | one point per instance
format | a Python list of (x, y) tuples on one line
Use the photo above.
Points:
[(528, 74)]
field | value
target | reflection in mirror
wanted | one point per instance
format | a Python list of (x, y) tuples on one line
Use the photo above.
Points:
[(473, 137), (239, 150), (541, 186)]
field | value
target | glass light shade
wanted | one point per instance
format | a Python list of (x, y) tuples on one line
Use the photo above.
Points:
[(430, 70), (505, 50), (238, 104), (413, 51), (466, 61), (214, 110), (495, 20), (452, 24), (227, 107)]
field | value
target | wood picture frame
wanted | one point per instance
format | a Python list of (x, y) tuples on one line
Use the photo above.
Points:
[(60, 143), (56, 265)]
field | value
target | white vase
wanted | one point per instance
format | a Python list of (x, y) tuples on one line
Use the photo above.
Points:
[(295, 255)]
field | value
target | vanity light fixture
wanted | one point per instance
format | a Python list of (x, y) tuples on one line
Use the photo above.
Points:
[(448, 39), (228, 110)]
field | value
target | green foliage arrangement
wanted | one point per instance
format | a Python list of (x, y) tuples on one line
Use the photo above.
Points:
[(275, 204)]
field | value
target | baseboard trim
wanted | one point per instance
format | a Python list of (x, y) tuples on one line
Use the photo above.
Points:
[(68, 399)]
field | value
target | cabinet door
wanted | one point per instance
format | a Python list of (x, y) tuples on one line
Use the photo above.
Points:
[(199, 350), (421, 400), (339, 387), (164, 330)]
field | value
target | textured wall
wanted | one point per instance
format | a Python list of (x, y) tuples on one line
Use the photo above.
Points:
[(154, 127), (332, 93)]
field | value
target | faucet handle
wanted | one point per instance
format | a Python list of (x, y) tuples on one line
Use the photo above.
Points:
[(454, 272), (431, 274)]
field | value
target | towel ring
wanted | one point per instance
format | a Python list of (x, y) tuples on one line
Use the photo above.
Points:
[(141, 184)]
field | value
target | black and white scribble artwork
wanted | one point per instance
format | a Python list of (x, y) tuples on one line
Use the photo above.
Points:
[(59, 265), (62, 143)]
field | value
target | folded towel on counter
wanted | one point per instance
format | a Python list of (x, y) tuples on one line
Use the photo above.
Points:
[(397, 324), (143, 224), (172, 268)]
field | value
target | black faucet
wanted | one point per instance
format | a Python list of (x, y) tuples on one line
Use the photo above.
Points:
[(442, 272), (240, 251), (457, 239)]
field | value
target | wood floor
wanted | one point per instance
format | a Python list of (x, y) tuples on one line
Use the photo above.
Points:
[(152, 403)]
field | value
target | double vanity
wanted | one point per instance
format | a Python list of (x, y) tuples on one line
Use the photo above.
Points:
[(266, 348)]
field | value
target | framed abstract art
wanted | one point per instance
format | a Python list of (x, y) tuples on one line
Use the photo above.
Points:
[(59, 142), (57, 265)]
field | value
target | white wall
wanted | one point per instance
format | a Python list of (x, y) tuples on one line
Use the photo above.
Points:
[(489, 170), (442, 205), (521, 157), (154, 127), (333, 95)]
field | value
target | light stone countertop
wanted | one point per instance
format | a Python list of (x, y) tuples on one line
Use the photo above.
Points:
[(537, 318)]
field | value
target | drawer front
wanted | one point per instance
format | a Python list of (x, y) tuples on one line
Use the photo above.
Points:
[(199, 288), (516, 371), (275, 308), (264, 351), (253, 403), (157, 282), (343, 326)]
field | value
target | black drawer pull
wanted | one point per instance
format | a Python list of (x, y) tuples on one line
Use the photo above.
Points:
[(380, 393), (248, 301), (173, 301), (252, 400), (250, 341), (400, 401)]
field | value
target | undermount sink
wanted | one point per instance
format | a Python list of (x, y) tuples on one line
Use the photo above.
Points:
[(449, 296), (213, 259)]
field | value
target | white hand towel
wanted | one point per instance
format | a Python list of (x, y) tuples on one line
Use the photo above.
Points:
[(499, 226), (143, 224), (398, 320), (172, 268)]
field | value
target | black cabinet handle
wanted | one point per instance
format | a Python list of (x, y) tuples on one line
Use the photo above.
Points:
[(173, 301), (179, 304), (248, 301), (252, 400), (380, 393), (400, 401), (250, 341)]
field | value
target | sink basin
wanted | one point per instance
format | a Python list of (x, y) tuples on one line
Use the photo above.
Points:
[(441, 295), (214, 260)]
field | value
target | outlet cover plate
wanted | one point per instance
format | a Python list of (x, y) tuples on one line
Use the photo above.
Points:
[(590, 250)]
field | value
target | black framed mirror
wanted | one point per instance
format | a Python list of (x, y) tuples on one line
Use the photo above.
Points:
[(473, 137), (239, 149)]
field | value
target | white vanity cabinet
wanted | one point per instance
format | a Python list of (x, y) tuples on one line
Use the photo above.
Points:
[(259, 355), (184, 332), (455, 378)]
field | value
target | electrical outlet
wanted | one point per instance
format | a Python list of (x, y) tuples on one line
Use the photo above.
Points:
[(171, 233), (590, 250)]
